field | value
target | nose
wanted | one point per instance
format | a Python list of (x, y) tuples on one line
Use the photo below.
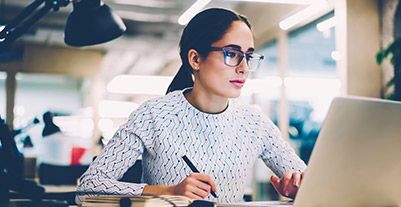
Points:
[(243, 66)]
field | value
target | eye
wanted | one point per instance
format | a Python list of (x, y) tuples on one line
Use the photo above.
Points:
[(231, 54)]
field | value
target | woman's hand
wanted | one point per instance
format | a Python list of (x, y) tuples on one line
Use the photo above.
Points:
[(195, 186), (289, 184)]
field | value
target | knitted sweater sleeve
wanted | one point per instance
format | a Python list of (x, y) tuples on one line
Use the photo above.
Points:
[(120, 153), (276, 153)]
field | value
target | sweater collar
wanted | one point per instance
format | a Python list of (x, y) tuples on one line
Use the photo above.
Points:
[(196, 111)]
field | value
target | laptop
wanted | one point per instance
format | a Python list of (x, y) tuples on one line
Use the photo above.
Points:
[(357, 157), (356, 160)]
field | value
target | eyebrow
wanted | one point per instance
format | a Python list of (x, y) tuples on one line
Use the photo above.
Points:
[(251, 49)]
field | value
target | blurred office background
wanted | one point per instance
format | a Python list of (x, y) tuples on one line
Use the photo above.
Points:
[(314, 50)]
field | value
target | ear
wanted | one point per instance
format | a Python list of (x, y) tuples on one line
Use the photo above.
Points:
[(194, 59)]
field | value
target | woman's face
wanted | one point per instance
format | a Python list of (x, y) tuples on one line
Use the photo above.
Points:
[(219, 79)]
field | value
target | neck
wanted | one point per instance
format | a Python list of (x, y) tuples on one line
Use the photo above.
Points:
[(206, 102)]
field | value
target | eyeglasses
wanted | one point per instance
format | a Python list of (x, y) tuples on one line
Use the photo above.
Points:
[(233, 57)]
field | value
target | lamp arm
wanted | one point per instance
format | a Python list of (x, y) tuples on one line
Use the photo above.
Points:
[(22, 15), (87, 16), (18, 31), (17, 27)]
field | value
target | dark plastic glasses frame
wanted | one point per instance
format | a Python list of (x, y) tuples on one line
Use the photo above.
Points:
[(248, 56)]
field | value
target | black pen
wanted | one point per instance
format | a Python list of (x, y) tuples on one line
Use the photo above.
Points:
[(193, 168)]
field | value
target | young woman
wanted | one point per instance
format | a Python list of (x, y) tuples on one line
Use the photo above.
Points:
[(221, 139)]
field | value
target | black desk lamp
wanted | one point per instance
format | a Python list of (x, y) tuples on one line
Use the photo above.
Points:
[(91, 22)]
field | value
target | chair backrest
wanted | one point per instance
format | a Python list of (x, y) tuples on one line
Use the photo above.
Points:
[(134, 173), (60, 175)]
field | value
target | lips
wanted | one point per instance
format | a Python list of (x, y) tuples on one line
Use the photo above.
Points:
[(238, 83)]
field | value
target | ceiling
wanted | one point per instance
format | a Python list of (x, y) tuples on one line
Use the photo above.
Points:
[(149, 23)]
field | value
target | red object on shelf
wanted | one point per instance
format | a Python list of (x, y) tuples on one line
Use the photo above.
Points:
[(77, 153)]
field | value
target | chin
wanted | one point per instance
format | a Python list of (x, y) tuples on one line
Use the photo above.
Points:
[(234, 94)]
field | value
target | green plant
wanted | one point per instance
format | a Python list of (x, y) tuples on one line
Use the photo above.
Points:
[(395, 50)]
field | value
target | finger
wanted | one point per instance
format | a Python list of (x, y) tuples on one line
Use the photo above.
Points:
[(276, 182), (202, 177), (286, 184), (206, 179), (286, 178), (192, 196), (296, 179), (213, 186), (198, 192), (202, 185)]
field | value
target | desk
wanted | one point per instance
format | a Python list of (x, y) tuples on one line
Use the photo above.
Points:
[(258, 204)]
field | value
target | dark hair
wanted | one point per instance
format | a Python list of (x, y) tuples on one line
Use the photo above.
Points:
[(202, 31)]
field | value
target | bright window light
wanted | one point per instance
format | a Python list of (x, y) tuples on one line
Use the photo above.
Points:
[(157, 85), (139, 84), (302, 15), (192, 11), (283, 1), (19, 110), (304, 86), (144, 17), (108, 134), (116, 109), (105, 124), (86, 112), (260, 86), (147, 3), (318, 91), (75, 126), (1, 29), (326, 24), (335, 55)]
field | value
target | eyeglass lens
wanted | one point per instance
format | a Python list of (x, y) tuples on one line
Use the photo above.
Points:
[(233, 57)]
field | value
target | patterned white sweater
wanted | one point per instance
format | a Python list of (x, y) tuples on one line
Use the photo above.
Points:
[(224, 145)]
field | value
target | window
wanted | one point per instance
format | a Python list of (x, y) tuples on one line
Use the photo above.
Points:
[(269, 66), (309, 51), (36, 94), (311, 83)]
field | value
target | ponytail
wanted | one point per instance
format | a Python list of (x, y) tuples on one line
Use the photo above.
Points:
[(183, 79)]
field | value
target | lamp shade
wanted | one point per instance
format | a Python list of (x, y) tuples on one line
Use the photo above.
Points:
[(92, 22)]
